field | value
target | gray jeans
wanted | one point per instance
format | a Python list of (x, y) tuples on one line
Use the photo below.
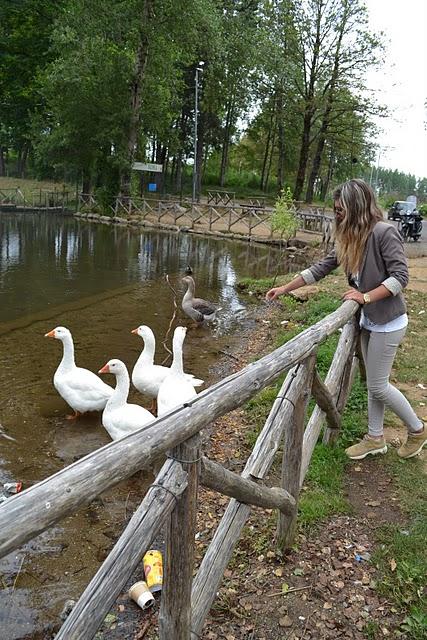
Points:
[(379, 350)]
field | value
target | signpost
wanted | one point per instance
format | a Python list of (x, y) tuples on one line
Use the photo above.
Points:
[(147, 166)]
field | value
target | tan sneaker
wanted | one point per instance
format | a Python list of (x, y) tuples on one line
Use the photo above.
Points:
[(366, 447), (413, 445)]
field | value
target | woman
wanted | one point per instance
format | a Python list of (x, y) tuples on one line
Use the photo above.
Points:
[(371, 253)]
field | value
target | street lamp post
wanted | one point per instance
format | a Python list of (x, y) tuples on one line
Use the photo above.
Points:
[(196, 109)]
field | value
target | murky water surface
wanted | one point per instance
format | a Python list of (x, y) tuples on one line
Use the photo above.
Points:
[(100, 282)]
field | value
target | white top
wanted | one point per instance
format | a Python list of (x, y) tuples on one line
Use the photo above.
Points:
[(394, 325)]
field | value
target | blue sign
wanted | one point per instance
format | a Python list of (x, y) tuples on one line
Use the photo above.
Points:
[(152, 186)]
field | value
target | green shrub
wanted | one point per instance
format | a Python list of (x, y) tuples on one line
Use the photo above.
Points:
[(284, 217)]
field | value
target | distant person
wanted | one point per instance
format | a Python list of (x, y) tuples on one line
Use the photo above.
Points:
[(371, 254)]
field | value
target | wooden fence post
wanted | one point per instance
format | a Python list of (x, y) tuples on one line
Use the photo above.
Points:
[(175, 609), (105, 586), (291, 461)]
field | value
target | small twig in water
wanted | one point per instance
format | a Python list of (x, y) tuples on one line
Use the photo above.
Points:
[(5, 435), (171, 321), (19, 571), (230, 355)]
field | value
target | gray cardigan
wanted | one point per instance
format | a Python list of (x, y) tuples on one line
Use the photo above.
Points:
[(383, 262)]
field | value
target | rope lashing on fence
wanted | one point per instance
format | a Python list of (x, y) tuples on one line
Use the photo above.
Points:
[(160, 486), (286, 398)]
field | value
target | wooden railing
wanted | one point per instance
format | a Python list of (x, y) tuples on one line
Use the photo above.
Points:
[(251, 220), (36, 199), (171, 501)]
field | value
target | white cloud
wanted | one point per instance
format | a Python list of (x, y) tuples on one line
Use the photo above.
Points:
[(402, 83)]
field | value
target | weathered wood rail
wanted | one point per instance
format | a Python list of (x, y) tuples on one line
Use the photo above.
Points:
[(172, 499), (37, 199), (252, 219)]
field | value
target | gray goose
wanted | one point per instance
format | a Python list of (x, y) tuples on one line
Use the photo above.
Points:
[(197, 309)]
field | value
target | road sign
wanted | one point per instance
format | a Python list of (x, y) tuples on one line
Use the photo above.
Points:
[(147, 166)]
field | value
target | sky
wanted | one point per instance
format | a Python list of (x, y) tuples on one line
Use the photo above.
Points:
[(402, 83)]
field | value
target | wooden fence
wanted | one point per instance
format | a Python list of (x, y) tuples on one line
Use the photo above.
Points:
[(171, 500), (35, 199), (252, 219)]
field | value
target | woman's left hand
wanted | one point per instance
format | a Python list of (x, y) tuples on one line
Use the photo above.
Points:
[(354, 294)]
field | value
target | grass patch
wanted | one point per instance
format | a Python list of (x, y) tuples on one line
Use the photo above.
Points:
[(28, 186), (401, 557), (322, 493)]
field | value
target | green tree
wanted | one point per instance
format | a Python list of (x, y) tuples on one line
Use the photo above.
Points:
[(25, 31)]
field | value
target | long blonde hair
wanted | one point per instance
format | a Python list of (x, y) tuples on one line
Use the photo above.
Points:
[(360, 214)]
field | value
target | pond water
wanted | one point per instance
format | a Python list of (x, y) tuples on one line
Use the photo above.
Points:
[(99, 281)]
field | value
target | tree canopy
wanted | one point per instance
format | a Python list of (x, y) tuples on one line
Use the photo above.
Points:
[(88, 87)]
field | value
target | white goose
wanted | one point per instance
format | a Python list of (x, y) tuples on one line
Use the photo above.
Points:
[(79, 387), (175, 389), (119, 417), (147, 376)]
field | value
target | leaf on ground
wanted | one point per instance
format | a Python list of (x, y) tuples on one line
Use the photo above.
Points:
[(285, 622), (278, 572), (393, 564)]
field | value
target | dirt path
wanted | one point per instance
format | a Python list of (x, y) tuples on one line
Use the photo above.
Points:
[(418, 274)]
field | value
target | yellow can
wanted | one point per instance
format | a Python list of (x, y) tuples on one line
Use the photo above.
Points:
[(153, 570)]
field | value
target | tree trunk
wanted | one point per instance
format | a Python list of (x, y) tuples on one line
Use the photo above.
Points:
[(86, 182), (24, 159), (310, 108), (136, 96), (266, 153), (304, 151), (226, 141), (325, 185), (2, 162), (270, 161), (326, 114), (316, 161), (178, 173), (281, 142)]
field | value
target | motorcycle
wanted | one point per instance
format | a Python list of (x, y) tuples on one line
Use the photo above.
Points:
[(411, 226)]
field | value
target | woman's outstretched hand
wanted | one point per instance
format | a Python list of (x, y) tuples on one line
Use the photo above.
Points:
[(354, 294), (274, 293)]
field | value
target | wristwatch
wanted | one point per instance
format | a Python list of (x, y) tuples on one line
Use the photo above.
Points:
[(366, 298)]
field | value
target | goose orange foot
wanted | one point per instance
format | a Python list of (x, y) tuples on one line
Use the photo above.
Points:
[(75, 415)]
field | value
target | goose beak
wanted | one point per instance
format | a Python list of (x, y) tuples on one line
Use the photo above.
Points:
[(134, 331), (105, 369), (51, 334)]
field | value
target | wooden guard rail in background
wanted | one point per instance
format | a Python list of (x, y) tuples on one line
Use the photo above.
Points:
[(172, 499), (251, 219), (40, 199)]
